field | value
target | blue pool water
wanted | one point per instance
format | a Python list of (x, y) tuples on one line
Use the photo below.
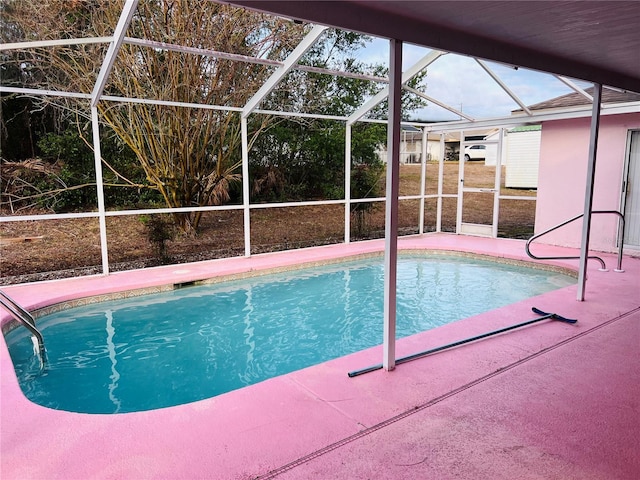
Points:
[(172, 348)]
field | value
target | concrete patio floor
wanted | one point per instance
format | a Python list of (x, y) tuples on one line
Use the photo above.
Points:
[(549, 401)]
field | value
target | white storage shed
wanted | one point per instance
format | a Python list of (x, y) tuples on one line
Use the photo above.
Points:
[(523, 156)]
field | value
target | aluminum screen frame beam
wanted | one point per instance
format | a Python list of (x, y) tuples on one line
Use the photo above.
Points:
[(102, 219), (503, 85), (61, 42), (205, 52), (289, 63), (569, 83), (347, 183), (275, 78), (246, 198), (423, 179), (244, 58), (118, 37), (439, 103), (411, 72)]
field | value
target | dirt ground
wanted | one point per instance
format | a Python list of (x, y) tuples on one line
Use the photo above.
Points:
[(37, 250)]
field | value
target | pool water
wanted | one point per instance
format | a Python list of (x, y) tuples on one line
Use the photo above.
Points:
[(197, 342)]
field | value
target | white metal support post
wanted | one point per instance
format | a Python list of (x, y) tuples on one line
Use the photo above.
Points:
[(423, 178), (244, 138), (440, 183), (347, 183), (271, 83), (391, 209), (102, 219), (460, 184), (496, 186), (107, 64), (588, 196)]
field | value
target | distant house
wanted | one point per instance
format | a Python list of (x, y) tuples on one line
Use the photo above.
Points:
[(564, 147)]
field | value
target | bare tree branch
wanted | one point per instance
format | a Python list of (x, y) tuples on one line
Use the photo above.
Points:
[(191, 156)]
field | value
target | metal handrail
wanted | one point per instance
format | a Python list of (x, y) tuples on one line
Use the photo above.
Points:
[(603, 265), (25, 318)]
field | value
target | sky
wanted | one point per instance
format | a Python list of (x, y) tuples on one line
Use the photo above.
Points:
[(460, 82)]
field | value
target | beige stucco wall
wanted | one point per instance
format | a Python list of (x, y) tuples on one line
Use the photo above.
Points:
[(562, 178)]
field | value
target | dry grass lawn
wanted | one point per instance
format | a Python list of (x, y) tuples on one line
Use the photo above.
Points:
[(58, 248)]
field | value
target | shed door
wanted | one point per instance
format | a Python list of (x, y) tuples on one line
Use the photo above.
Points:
[(631, 193)]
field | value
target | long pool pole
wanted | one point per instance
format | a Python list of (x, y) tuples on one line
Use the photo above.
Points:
[(424, 353)]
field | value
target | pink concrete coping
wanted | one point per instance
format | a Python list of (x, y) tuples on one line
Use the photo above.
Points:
[(310, 416)]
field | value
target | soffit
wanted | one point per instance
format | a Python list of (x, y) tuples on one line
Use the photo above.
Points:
[(597, 41)]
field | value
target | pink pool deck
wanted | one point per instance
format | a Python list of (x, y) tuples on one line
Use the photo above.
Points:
[(548, 401)]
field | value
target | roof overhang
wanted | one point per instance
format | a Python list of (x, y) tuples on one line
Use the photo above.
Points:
[(596, 41)]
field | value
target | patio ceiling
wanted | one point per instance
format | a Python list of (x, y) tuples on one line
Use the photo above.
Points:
[(596, 41)]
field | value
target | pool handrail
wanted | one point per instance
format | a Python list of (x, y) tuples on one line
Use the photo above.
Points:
[(602, 264), (26, 319)]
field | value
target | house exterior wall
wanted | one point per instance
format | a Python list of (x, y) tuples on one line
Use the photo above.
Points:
[(564, 150)]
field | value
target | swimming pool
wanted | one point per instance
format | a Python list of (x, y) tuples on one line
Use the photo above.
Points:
[(188, 344)]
